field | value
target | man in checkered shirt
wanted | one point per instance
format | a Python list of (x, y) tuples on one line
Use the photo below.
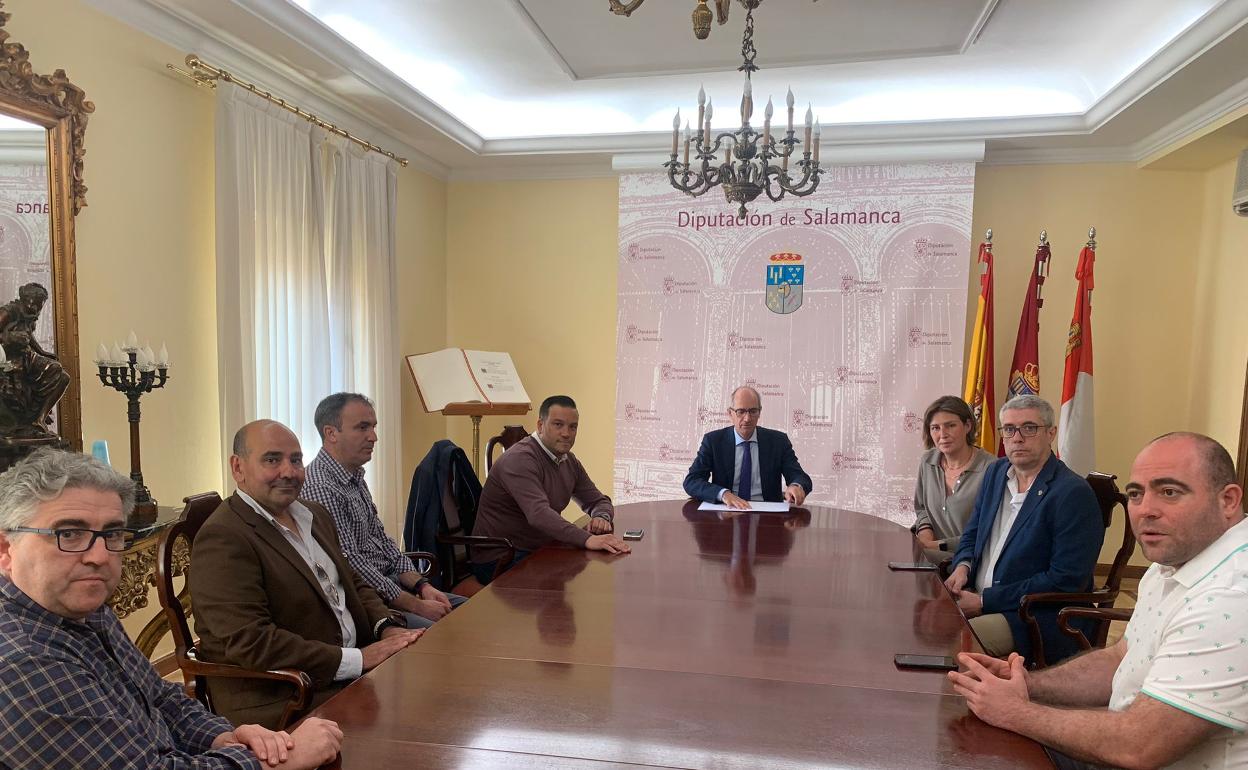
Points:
[(347, 423), (74, 690)]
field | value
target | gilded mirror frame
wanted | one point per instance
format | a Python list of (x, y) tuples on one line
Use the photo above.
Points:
[(59, 106)]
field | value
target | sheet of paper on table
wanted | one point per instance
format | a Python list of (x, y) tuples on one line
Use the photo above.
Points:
[(755, 507)]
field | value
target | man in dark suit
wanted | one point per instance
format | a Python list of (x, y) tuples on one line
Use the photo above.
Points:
[(744, 462), (1036, 528), (273, 590)]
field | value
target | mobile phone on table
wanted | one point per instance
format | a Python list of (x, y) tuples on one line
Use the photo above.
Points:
[(912, 566), (928, 662), (633, 534)]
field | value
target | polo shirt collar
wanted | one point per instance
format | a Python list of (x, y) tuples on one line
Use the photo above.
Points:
[(1202, 564)]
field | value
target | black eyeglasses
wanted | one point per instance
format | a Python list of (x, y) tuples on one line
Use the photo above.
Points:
[(72, 540), (753, 411), (1028, 429)]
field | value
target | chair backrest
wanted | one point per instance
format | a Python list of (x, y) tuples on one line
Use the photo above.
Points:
[(511, 435), (1109, 497), (177, 606)]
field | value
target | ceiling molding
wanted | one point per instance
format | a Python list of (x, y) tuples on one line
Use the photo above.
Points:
[(541, 35), (1195, 120), (980, 23), (588, 170), (1207, 32), (222, 50), (1042, 156)]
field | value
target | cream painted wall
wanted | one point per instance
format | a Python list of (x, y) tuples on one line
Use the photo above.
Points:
[(422, 310), (1147, 223), (531, 269), (1219, 345), (145, 240)]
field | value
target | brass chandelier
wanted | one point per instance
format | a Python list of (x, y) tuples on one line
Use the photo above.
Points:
[(740, 161)]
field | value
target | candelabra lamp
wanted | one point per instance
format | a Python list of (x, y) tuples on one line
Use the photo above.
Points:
[(134, 371)]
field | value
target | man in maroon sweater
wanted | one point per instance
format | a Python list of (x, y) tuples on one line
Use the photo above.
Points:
[(529, 486)]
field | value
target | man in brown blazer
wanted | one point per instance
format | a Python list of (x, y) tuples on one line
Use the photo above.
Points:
[(271, 588)]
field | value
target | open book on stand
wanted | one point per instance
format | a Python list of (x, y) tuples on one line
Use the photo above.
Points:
[(457, 381)]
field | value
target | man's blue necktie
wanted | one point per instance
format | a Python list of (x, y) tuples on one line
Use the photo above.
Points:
[(743, 483)]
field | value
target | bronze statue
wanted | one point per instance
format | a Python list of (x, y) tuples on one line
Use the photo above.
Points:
[(33, 380)]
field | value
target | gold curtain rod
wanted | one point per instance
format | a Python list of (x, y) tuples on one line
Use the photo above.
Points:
[(205, 75)]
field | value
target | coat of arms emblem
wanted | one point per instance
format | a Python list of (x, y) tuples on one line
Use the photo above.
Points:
[(785, 276)]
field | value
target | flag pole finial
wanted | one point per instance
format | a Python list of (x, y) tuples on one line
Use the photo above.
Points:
[(1044, 237), (988, 235), (1092, 238)]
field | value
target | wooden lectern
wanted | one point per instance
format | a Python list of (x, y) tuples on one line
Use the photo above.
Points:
[(475, 383)]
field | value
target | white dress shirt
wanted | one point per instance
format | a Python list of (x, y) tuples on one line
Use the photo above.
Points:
[(352, 663), (1011, 503), (756, 478)]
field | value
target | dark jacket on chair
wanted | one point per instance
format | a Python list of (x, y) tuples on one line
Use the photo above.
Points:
[(1053, 546), (717, 460), (444, 467)]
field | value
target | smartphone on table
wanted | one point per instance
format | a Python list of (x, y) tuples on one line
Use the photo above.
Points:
[(633, 534), (926, 662)]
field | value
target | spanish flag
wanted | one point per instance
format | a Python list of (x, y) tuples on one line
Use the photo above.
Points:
[(979, 391), (1076, 444), (1025, 370)]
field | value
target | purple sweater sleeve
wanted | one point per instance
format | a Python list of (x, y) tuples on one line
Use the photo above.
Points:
[(526, 489)]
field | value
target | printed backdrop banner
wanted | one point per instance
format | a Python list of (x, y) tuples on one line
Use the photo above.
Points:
[(846, 310)]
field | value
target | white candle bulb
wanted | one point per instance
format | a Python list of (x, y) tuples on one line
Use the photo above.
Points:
[(140, 359), (163, 360), (101, 354), (710, 110), (788, 99), (117, 355), (148, 354), (701, 96), (675, 132), (132, 340), (810, 116), (768, 112)]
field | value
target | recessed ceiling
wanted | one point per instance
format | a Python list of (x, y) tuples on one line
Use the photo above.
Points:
[(557, 84), (657, 38)]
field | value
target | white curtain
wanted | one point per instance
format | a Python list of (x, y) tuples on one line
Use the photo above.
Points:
[(305, 279)]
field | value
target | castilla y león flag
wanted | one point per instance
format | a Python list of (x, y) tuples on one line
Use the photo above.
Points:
[(979, 393), (1076, 444)]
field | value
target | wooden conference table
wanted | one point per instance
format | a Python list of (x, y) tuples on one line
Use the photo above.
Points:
[(761, 640)]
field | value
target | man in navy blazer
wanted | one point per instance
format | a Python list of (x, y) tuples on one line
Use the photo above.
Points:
[(1036, 528), (766, 454)]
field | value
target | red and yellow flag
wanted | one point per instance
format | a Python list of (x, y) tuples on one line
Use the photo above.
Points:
[(979, 391), (1076, 443), (1025, 369)]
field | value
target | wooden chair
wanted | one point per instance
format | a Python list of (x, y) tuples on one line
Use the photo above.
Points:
[(1108, 497), (511, 435), (1103, 617), (177, 609), (455, 535)]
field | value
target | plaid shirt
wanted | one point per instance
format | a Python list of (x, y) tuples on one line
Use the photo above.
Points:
[(371, 552), (80, 694)]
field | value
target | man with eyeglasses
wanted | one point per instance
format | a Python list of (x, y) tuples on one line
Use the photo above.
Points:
[(272, 588), (1036, 528), (744, 462), (1173, 692), (74, 690)]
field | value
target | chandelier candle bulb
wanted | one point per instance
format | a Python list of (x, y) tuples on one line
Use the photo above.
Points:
[(701, 106), (101, 355), (132, 341), (675, 132), (163, 360), (710, 110), (810, 117), (789, 101), (148, 354), (767, 112), (118, 356)]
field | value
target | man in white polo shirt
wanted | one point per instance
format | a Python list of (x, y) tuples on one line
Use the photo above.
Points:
[(1174, 691)]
